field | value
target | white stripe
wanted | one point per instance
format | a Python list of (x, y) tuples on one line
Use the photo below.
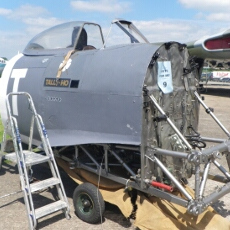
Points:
[(3, 85), (17, 74)]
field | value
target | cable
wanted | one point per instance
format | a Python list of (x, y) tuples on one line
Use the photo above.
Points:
[(13, 193), (98, 183)]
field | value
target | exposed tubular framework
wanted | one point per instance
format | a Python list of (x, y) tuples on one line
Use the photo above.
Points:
[(198, 158), (170, 122)]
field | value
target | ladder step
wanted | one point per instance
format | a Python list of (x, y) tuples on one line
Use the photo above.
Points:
[(25, 159), (31, 158), (50, 208), (36, 186)]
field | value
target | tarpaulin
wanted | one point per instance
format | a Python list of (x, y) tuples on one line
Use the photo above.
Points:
[(152, 213)]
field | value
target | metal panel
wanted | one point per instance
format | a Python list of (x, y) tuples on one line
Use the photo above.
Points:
[(106, 107)]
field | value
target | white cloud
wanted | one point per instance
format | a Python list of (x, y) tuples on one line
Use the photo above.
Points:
[(218, 17), (32, 20), (211, 10), (104, 6), (32, 16), (164, 30), (12, 43), (41, 24), (39, 21), (35, 17), (176, 30), (26, 11), (5, 11), (207, 5)]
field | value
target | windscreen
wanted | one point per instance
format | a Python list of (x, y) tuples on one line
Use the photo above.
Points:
[(54, 38)]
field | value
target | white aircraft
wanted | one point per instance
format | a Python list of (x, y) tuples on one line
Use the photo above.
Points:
[(213, 49), (3, 63)]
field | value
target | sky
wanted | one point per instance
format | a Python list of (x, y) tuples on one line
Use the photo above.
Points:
[(158, 20)]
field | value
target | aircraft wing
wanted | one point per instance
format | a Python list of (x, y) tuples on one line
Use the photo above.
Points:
[(214, 49), (3, 63)]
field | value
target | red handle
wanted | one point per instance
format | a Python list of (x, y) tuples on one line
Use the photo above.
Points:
[(160, 185)]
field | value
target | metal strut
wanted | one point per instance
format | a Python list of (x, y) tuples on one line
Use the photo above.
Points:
[(207, 156), (209, 111), (170, 122)]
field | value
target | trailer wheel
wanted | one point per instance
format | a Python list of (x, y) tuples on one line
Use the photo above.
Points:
[(88, 203)]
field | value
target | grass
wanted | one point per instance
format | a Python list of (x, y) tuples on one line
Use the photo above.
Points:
[(1, 130), (1, 135)]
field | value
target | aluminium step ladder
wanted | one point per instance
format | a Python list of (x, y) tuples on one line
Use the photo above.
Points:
[(25, 159)]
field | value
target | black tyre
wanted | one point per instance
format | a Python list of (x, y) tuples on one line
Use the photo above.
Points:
[(88, 203)]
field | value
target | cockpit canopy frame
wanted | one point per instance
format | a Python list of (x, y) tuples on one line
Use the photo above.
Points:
[(79, 35), (128, 27), (66, 36)]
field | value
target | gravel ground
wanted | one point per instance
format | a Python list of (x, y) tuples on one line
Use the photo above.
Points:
[(218, 98), (12, 208), (13, 211)]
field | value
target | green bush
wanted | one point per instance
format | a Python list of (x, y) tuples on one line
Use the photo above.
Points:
[(1, 130)]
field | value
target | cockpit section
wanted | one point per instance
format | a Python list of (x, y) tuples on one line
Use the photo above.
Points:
[(72, 35), (82, 36)]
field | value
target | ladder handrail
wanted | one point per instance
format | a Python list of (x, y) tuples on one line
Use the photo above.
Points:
[(20, 155), (22, 167), (17, 94), (30, 100)]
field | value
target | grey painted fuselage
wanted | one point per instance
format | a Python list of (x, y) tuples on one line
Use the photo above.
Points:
[(101, 101)]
